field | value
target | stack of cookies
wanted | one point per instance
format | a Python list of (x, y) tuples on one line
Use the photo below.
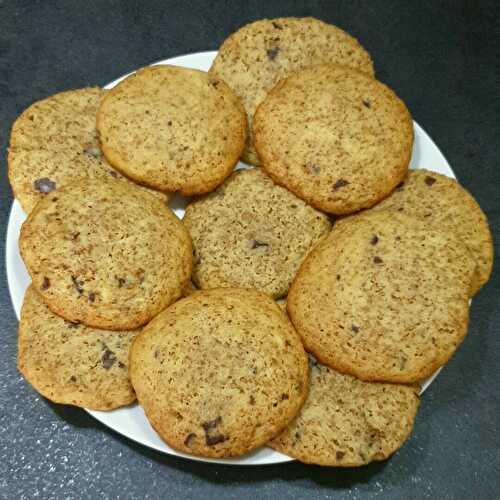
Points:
[(299, 304)]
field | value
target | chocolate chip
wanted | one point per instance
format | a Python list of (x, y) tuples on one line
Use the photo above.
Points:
[(288, 343), (374, 240), (121, 365), (211, 424), (189, 439), (44, 185), (257, 244), (212, 440), (338, 277), (45, 284), (73, 324), (121, 281), (74, 236), (284, 397), (92, 151), (156, 354), (277, 26), (315, 169), (252, 400), (366, 104), (72, 378), (297, 435), (339, 455), (108, 358), (272, 53), (91, 297), (377, 260), (169, 123), (398, 238), (400, 186), (77, 284), (429, 180), (355, 328), (340, 184), (113, 174)]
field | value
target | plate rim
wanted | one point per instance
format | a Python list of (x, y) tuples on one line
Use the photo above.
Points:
[(98, 415)]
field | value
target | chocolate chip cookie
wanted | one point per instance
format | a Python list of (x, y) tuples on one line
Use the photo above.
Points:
[(106, 254), (173, 129), (70, 363), (251, 233), (252, 60), (346, 422), (384, 297), (220, 372), (337, 138)]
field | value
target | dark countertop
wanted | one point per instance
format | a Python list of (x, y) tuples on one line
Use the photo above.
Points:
[(443, 59)]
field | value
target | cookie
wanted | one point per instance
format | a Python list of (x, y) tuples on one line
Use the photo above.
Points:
[(219, 373), (346, 422), (252, 60), (70, 363), (337, 138), (54, 142), (173, 129), (106, 254), (441, 202), (251, 233), (384, 297)]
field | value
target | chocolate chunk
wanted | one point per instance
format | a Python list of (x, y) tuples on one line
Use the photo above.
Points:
[(277, 26), (74, 236), (377, 260), (211, 424), (91, 297), (108, 358), (366, 104), (77, 284), (189, 439), (257, 244), (339, 455), (121, 281), (355, 328), (113, 174), (400, 186), (287, 343), (44, 185), (374, 240), (272, 53), (45, 284), (156, 354), (212, 440), (72, 378), (429, 180), (340, 184), (252, 400), (73, 324), (121, 365), (284, 397)]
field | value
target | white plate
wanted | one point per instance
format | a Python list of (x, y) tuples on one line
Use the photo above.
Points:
[(130, 421)]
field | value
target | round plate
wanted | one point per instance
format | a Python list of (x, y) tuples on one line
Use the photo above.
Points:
[(130, 421)]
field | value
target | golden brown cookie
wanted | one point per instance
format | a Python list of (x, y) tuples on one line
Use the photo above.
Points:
[(346, 422), (173, 129), (384, 297), (54, 142), (251, 233), (70, 363), (441, 202), (335, 137), (219, 373), (254, 58), (106, 254)]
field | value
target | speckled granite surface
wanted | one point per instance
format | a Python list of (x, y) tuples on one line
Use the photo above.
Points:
[(443, 58)]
